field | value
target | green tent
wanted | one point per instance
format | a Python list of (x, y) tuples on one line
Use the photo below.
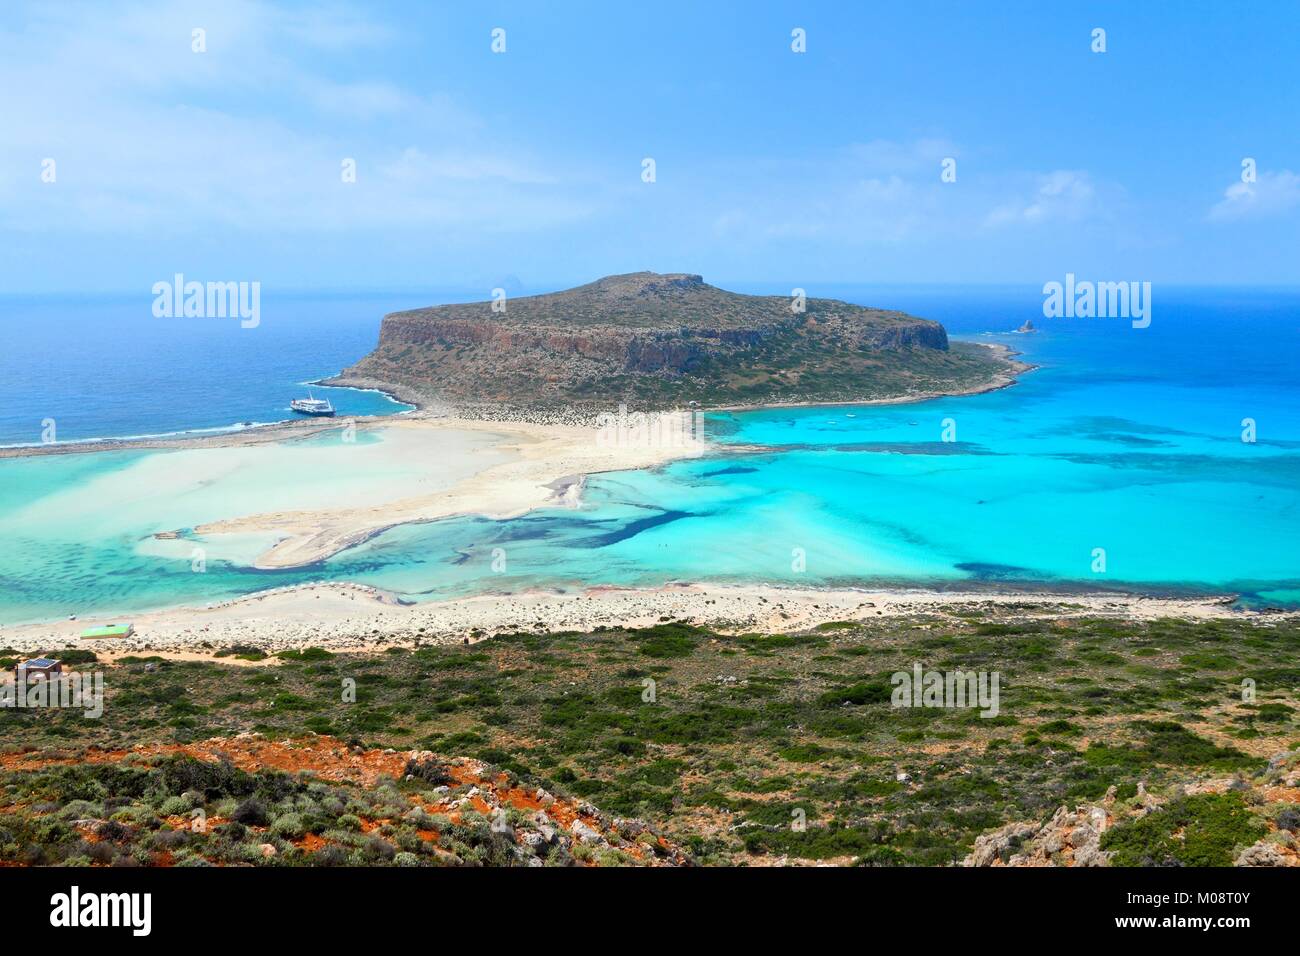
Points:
[(109, 630)]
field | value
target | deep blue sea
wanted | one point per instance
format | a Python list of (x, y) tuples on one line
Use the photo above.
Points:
[(105, 367), (1119, 463)]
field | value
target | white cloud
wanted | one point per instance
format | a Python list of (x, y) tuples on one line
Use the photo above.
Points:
[(1272, 194), (1062, 195), (129, 112), (886, 191)]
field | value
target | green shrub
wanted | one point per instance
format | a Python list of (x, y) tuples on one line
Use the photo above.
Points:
[(1201, 830), (873, 692), (667, 640), (288, 825), (307, 654), (1168, 743), (174, 806)]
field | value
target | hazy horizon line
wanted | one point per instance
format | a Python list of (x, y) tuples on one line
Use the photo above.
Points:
[(544, 288)]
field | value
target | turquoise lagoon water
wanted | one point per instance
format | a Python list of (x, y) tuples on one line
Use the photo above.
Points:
[(1124, 440)]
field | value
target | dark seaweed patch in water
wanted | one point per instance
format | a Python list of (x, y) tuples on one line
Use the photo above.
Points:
[(918, 448), (632, 529), (720, 425), (542, 526), (901, 531), (1251, 594), (892, 447), (1101, 424), (1262, 470), (1135, 440), (733, 470), (988, 571)]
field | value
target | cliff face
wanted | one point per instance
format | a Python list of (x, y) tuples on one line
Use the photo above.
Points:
[(652, 350), (660, 338)]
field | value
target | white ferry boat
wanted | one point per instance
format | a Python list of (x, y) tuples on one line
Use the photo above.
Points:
[(312, 406)]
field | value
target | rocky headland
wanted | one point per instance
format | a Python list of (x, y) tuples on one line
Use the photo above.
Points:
[(660, 341)]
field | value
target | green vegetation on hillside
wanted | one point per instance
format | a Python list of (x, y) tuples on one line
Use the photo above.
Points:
[(726, 742)]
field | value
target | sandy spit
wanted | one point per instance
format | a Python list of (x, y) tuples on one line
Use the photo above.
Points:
[(547, 460)]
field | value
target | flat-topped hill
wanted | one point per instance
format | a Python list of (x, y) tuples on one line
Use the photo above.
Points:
[(647, 300), (665, 340)]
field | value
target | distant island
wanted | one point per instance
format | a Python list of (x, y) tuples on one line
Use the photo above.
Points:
[(665, 341)]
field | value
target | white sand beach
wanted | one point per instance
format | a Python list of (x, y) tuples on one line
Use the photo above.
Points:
[(346, 617)]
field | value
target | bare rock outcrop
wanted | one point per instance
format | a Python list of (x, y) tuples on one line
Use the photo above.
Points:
[(1074, 838), (1069, 838)]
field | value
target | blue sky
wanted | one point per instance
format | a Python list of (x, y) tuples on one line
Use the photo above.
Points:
[(477, 169)]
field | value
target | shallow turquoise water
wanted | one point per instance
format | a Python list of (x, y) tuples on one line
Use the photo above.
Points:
[(1125, 440)]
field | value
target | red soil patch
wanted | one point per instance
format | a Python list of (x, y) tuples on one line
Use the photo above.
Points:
[(329, 759), (311, 843)]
